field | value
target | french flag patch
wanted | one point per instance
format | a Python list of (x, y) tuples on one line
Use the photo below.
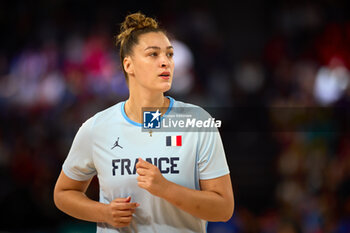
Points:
[(174, 140)]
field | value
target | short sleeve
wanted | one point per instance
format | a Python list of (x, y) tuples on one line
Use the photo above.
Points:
[(211, 156), (79, 163)]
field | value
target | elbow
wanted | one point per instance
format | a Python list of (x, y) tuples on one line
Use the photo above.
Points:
[(224, 216), (228, 212), (60, 200), (230, 206), (57, 198)]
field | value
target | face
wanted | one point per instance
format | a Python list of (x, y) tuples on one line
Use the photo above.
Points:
[(151, 64)]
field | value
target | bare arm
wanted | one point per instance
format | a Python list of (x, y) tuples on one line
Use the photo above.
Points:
[(214, 202), (69, 197)]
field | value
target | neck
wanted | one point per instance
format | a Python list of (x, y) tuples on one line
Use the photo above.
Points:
[(145, 99)]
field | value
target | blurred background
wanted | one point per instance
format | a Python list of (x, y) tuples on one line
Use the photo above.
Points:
[(284, 64)]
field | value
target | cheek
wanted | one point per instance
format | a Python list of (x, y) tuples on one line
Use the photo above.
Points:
[(141, 69), (144, 73), (144, 65)]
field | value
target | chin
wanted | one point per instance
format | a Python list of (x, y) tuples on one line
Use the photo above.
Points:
[(164, 87), (167, 88)]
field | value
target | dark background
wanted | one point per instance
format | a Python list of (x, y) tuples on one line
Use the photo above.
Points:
[(289, 168)]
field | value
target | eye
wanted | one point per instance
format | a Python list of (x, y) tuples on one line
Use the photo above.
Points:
[(170, 54), (154, 54)]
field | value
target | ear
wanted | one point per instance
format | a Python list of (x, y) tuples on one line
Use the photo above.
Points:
[(128, 65)]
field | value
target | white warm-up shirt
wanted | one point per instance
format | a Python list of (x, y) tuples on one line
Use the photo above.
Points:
[(182, 157)]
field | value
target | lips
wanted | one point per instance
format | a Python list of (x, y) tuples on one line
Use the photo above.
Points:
[(165, 74)]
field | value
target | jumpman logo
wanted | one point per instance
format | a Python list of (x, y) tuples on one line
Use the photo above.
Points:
[(116, 144)]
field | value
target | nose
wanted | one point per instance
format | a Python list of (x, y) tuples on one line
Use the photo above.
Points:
[(164, 62)]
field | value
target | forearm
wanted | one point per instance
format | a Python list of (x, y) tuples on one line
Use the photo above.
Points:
[(214, 202), (78, 205), (207, 205)]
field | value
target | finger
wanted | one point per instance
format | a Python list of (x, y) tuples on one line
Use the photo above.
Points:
[(126, 206), (142, 185), (132, 205), (122, 200), (141, 171), (141, 179), (126, 213), (125, 219), (143, 164)]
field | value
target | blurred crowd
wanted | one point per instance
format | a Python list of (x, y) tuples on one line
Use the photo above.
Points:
[(291, 69)]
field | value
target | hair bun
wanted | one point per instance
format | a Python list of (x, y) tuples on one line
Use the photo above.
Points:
[(138, 21)]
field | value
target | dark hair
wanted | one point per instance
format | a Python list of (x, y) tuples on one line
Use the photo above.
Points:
[(133, 26)]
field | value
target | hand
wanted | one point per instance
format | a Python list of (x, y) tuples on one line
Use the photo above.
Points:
[(119, 212), (150, 178)]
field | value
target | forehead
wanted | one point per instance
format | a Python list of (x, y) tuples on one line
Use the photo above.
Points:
[(153, 39)]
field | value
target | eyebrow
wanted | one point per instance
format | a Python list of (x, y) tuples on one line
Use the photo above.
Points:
[(158, 48)]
